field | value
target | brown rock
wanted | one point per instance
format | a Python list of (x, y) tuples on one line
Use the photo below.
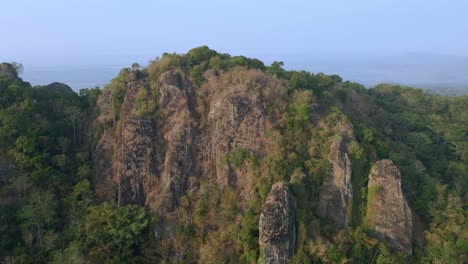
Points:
[(277, 225), (337, 192), (142, 161), (388, 215)]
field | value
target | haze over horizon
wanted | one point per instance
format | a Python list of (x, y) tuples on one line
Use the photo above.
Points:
[(102, 37)]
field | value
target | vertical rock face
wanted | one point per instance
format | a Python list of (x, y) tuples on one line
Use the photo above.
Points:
[(388, 214), (177, 142), (337, 192), (156, 159), (277, 225), (143, 162), (126, 161), (236, 120)]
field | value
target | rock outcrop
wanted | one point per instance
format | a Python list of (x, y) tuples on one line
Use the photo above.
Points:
[(7, 70), (142, 162), (235, 120), (388, 215), (125, 160), (153, 163), (337, 191), (177, 134), (277, 225)]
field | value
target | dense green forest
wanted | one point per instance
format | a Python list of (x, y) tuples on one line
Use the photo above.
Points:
[(49, 212)]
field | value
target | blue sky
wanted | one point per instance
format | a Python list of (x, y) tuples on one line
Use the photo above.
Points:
[(76, 28), (85, 42)]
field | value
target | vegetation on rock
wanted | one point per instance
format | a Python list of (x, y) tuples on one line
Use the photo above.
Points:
[(173, 163)]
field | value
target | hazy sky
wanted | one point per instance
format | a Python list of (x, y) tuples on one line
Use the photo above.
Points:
[(148, 28)]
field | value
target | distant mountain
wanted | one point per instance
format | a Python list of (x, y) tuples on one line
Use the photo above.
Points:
[(445, 74)]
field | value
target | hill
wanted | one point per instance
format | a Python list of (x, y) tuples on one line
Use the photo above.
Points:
[(205, 157)]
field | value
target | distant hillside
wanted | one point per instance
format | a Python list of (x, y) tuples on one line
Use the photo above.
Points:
[(440, 73)]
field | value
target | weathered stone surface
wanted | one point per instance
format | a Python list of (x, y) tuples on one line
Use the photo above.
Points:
[(337, 191), (277, 225), (154, 162), (143, 162), (125, 163), (178, 158), (388, 214), (235, 120)]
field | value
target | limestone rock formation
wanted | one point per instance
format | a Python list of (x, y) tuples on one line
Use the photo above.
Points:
[(144, 162), (155, 161), (236, 120), (177, 133), (388, 214), (125, 160), (337, 192), (277, 225)]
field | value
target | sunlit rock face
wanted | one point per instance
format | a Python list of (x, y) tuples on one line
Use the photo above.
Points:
[(388, 215), (337, 192)]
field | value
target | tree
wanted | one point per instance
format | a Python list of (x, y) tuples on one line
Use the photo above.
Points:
[(276, 68), (73, 114), (38, 214), (135, 66), (71, 255), (113, 231), (18, 67)]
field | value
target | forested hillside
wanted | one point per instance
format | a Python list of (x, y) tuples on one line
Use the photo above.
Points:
[(205, 157)]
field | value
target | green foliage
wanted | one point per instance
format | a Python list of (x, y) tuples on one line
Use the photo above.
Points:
[(113, 232), (242, 61), (371, 196), (447, 237), (135, 66), (49, 212), (276, 68), (160, 65), (237, 157), (37, 216), (118, 88), (18, 67), (145, 105), (360, 172), (196, 74), (302, 80), (72, 255), (198, 55)]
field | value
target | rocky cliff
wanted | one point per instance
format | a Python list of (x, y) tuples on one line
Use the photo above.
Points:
[(154, 161), (175, 145), (388, 215), (146, 162), (235, 122), (277, 225), (337, 191)]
